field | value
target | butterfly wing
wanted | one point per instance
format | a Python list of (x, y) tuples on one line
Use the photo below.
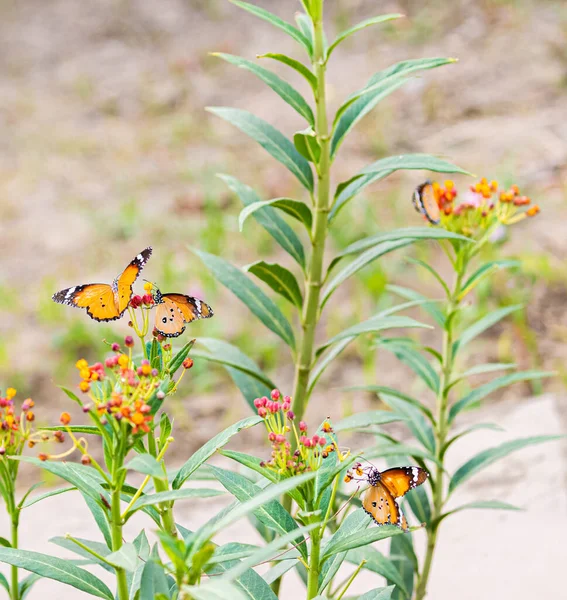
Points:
[(191, 308), (399, 480), (169, 318), (425, 202), (124, 282), (379, 503), (97, 298)]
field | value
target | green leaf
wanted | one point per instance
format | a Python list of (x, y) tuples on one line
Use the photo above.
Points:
[(420, 162), (482, 391), (403, 557), (485, 270), (286, 91), (26, 584), (249, 386), (282, 281), (480, 326), (415, 361), (347, 190), (487, 457), (87, 429), (307, 145), (4, 583), (41, 497), (305, 25), (272, 514), (397, 449), (380, 389), (377, 563), (419, 504), (249, 586), (372, 325), (228, 355), (361, 261), (384, 593), (297, 35), (294, 64), (59, 569), (250, 294), (406, 233), (272, 140), (71, 395), (126, 558), (481, 504), (218, 589), (270, 220), (153, 581), (360, 538), (147, 465), (326, 360), (100, 516), (178, 359), (367, 419), (296, 209), (485, 368), (379, 86), (208, 449), (279, 570), (429, 306), (173, 495), (347, 33)]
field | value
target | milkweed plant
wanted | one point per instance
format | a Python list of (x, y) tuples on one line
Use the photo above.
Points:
[(300, 493)]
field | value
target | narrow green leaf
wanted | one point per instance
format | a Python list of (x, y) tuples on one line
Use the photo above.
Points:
[(153, 581), (347, 190), (4, 583), (307, 145), (419, 504), (126, 558), (482, 391), (415, 361), (272, 140), (403, 557), (59, 569), (420, 162), (41, 497), (296, 209), (378, 87), (286, 91), (294, 64), (480, 326), (431, 307), (384, 593), (415, 420), (208, 449), (218, 589), (71, 395), (486, 368), (272, 514), (427, 267), (297, 35), (487, 457), (280, 279), (305, 25), (485, 270), (249, 386), (178, 359), (147, 465), (361, 261), (100, 515), (97, 547), (326, 360), (250, 294), (279, 570), (222, 352), (389, 449), (377, 563), (250, 586), (347, 33), (481, 504), (358, 539), (87, 429), (174, 495), (27, 583), (270, 220), (367, 419), (373, 325)]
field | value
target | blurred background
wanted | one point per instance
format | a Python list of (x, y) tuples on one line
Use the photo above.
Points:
[(105, 148)]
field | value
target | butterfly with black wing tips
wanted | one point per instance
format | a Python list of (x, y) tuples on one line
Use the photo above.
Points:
[(103, 301), (425, 202), (385, 487), (174, 310)]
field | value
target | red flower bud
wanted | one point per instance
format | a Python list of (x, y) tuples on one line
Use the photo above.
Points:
[(115, 347), (302, 426), (290, 415), (272, 436), (65, 418), (262, 412), (129, 341), (187, 363), (280, 439), (86, 459), (275, 394)]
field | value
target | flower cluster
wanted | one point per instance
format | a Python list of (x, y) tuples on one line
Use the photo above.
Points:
[(126, 398), (481, 206), (280, 424), (16, 426)]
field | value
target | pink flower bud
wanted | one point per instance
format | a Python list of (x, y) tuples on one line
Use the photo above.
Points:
[(302, 426), (272, 436), (315, 439), (280, 439), (322, 441), (160, 395), (129, 340), (286, 406), (262, 412), (290, 415), (115, 347), (275, 394), (259, 402), (109, 362)]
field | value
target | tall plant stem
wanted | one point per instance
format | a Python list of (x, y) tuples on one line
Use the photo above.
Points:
[(314, 279), (116, 518), (15, 521), (160, 485), (441, 429), (314, 566)]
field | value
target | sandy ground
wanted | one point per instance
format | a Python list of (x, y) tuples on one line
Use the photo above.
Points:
[(481, 553)]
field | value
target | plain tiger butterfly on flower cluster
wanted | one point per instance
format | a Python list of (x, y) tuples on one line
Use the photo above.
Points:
[(425, 202), (385, 487), (174, 310)]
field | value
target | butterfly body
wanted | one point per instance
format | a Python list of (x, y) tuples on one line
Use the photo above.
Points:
[(425, 202), (385, 487), (174, 310), (103, 301)]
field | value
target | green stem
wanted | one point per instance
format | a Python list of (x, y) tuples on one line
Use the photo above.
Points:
[(15, 517), (161, 485), (314, 279), (314, 566), (115, 517), (442, 425)]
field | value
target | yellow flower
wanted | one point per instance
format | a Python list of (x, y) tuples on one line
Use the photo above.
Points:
[(82, 364), (148, 287), (10, 393), (123, 360)]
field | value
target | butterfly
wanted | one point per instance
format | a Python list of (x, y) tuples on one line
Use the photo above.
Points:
[(379, 500), (425, 202), (174, 310), (106, 302)]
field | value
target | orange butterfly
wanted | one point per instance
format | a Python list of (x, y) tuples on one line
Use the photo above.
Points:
[(106, 302), (425, 202), (379, 500), (174, 310)]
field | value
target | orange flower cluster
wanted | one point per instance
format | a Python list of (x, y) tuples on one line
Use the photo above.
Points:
[(16, 426), (280, 421), (481, 206), (120, 390)]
